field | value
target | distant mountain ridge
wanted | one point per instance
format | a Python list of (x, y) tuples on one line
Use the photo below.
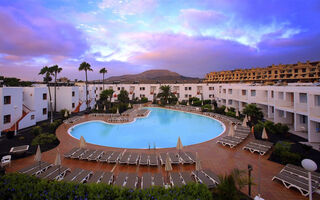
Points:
[(151, 76)]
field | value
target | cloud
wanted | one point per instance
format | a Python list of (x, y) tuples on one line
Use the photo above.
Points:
[(128, 7), (22, 34)]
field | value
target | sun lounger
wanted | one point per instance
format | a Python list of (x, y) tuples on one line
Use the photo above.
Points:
[(19, 149), (26, 169), (87, 154), (186, 177), (83, 176), (185, 159), (58, 174), (191, 156), (107, 178), (202, 178), (71, 152), (96, 155), (211, 175), (158, 180), (146, 180), (162, 157), (121, 178), (39, 169), (105, 156), (48, 172), (230, 143), (175, 179), (78, 154), (290, 180), (262, 143), (253, 147), (144, 159), (132, 181), (125, 158), (96, 177), (114, 157), (174, 158), (72, 175), (299, 171), (153, 160), (133, 160)]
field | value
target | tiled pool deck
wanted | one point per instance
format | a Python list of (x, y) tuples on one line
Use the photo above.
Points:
[(214, 156)]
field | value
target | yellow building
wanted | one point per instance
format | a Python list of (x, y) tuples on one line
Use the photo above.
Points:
[(300, 72)]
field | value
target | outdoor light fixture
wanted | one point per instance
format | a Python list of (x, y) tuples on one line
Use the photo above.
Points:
[(249, 174), (310, 166)]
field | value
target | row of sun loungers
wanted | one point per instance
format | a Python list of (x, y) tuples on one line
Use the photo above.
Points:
[(130, 158), (118, 119), (142, 112), (124, 179), (104, 115), (296, 177), (72, 120), (259, 146), (241, 133)]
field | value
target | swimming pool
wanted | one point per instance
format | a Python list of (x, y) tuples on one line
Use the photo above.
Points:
[(161, 128)]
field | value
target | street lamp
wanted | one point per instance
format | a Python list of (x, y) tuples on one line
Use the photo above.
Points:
[(249, 174), (310, 166), (15, 123), (51, 120)]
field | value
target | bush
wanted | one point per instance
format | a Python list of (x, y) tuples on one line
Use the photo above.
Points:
[(63, 111), (36, 130), (122, 107), (197, 103), (220, 110), (282, 151), (44, 138), (206, 108), (271, 128), (144, 100), (207, 101), (22, 186), (54, 125), (10, 134), (231, 113)]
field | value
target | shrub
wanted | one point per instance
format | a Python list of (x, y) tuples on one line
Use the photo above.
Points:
[(144, 100), (44, 138), (22, 186), (271, 128), (197, 103), (206, 108), (207, 101), (281, 129), (230, 113), (282, 151), (122, 107), (220, 110), (63, 111), (36, 130), (10, 134), (54, 125)]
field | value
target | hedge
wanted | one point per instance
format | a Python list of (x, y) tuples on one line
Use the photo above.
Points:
[(21, 186)]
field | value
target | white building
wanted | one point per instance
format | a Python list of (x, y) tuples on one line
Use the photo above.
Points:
[(67, 98)]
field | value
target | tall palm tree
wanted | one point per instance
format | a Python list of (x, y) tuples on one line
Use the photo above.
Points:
[(84, 66), (55, 69), (103, 71), (47, 78), (165, 93)]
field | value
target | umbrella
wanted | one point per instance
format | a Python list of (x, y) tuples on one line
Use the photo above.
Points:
[(179, 144), (167, 101), (191, 102), (231, 130), (202, 103), (57, 161), (212, 106), (104, 108), (66, 114), (70, 112), (226, 110), (82, 142), (96, 106), (187, 103), (117, 110), (264, 134), (198, 163), (168, 166), (237, 113), (129, 106), (245, 120), (37, 157), (177, 102)]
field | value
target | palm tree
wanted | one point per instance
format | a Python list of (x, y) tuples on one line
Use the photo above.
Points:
[(105, 95), (47, 78), (84, 66), (55, 70), (103, 71), (165, 93), (254, 112)]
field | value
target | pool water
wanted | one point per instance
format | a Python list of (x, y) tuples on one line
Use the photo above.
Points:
[(161, 128)]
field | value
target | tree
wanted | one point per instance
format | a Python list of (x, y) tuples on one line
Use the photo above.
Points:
[(105, 95), (55, 70), (165, 93), (254, 112), (103, 71), (123, 96), (84, 66), (47, 78)]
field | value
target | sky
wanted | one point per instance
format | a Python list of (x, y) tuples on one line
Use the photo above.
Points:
[(130, 36)]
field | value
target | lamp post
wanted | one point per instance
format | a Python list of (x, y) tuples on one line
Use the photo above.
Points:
[(15, 123), (249, 174), (51, 120), (310, 166)]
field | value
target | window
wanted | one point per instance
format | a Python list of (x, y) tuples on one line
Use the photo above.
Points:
[(280, 95), (211, 95), (189, 88), (224, 91), (32, 117), (253, 93), (230, 91), (230, 102), (44, 111), (142, 95), (6, 119), (185, 88), (73, 93), (186, 96), (211, 88), (118, 88), (44, 96), (7, 100), (100, 88), (244, 92), (281, 113), (303, 97), (272, 94), (303, 119), (142, 88), (317, 100), (73, 105)]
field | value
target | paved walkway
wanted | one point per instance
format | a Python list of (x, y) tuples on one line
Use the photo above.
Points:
[(219, 159)]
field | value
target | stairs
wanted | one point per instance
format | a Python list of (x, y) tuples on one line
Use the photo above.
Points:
[(78, 107), (25, 111)]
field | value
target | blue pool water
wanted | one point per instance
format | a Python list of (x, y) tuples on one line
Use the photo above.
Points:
[(162, 127)]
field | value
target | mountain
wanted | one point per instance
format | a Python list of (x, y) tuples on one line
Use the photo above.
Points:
[(151, 76)]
